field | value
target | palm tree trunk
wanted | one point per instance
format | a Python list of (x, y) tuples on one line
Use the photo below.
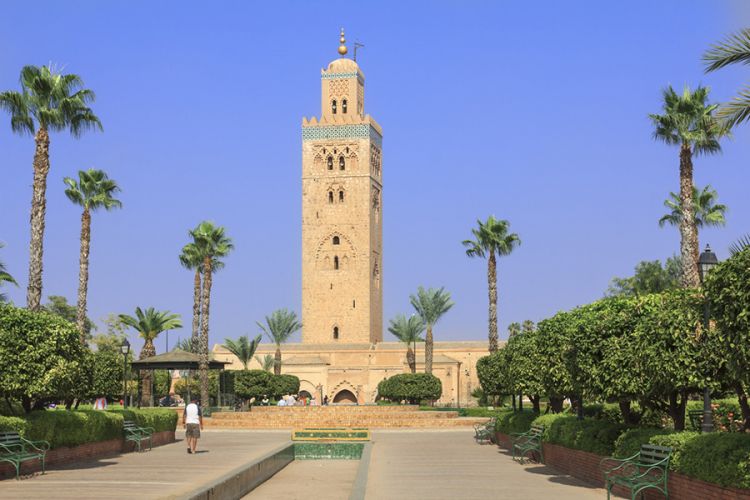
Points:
[(411, 359), (428, 350), (277, 362), (203, 353), (147, 375), (688, 230), (83, 273), (38, 210), (492, 286), (194, 340)]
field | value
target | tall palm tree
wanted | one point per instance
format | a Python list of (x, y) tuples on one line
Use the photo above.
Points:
[(705, 209), (149, 324), (92, 191), (280, 325), (430, 306), (409, 331), (212, 244), (243, 348), (267, 362), (735, 49), (528, 326), (688, 122), (48, 101), (5, 277), (183, 345), (514, 329), (491, 238)]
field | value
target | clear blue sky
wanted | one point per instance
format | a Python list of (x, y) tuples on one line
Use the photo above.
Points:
[(536, 114)]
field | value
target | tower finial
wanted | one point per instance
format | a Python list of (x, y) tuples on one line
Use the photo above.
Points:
[(342, 47)]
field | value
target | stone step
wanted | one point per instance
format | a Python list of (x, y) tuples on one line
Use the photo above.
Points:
[(253, 415), (353, 422)]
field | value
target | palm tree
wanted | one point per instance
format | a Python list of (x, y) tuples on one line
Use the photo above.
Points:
[(267, 362), (734, 49), (212, 244), (528, 326), (243, 348), (184, 345), (280, 325), (705, 209), (409, 331), (688, 122), (491, 238), (5, 277), (514, 329), (430, 306), (48, 101), (92, 191), (149, 324)]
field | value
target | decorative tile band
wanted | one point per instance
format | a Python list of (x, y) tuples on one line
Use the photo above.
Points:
[(329, 76), (355, 131)]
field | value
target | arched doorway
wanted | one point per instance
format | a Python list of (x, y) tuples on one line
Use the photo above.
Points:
[(305, 394), (345, 397)]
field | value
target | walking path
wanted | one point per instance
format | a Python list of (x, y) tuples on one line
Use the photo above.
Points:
[(442, 464)]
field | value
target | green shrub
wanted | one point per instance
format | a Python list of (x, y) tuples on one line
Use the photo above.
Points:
[(161, 419), (412, 387), (106, 375), (726, 412), (10, 409), (72, 428), (629, 443), (252, 384), (509, 421), (721, 458), (283, 384), (13, 424), (676, 441), (595, 436)]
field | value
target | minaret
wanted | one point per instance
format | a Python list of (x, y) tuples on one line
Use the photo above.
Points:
[(342, 235)]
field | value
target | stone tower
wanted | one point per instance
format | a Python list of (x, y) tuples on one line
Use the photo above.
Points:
[(342, 235)]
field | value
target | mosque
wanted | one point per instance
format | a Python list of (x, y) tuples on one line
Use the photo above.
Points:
[(342, 354)]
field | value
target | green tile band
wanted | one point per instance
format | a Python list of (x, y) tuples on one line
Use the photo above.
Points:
[(354, 131)]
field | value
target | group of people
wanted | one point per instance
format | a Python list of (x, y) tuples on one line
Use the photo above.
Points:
[(294, 400)]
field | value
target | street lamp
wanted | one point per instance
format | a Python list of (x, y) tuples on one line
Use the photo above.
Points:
[(125, 350), (706, 262)]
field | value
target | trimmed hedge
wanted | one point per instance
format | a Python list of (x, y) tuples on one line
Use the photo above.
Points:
[(412, 387), (719, 458), (595, 436), (509, 421), (161, 419), (629, 443), (13, 424)]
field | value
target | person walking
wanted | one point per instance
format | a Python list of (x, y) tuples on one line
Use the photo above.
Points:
[(192, 421)]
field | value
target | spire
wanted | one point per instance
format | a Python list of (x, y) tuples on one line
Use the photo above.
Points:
[(342, 47)]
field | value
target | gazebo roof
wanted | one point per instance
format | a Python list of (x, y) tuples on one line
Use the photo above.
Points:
[(176, 360)]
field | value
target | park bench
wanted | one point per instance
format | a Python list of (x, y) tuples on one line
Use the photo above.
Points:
[(696, 419), (646, 469), (528, 442), (15, 450), (137, 434), (485, 431)]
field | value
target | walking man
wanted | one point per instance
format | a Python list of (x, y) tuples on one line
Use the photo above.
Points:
[(192, 420)]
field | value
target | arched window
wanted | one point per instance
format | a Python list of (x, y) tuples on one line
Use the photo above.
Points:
[(330, 163), (336, 262), (333, 106), (330, 196), (342, 163), (343, 106), (335, 333), (336, 240), (341, 196)]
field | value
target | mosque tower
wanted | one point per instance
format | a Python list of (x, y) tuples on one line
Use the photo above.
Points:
[(342, 225)]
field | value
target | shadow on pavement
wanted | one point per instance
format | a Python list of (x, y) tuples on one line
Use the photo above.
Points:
[(556, 477)]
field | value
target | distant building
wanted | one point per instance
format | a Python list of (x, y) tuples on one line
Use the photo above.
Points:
[(342, 354)]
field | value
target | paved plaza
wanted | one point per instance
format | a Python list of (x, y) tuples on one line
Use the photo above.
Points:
[(404, 464)]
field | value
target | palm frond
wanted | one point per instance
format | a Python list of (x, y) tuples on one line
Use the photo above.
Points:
[(734, 49), (742, 244)]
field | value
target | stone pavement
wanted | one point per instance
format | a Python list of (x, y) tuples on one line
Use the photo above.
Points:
[(163, 471), (309, 479), (449, 464)]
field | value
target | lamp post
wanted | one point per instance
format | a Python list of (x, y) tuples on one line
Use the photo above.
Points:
[(706, 262), (125, 350)]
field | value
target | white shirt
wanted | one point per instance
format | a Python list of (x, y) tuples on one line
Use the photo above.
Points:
[(192, 414), (281, 403)]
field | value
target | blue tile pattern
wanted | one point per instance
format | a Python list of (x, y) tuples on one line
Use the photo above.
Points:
[(354, 131)]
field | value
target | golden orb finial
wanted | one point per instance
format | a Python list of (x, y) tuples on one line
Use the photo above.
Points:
[(342, 47)]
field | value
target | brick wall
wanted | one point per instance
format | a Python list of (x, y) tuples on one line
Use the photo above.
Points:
[(88, 451), (585, 466)]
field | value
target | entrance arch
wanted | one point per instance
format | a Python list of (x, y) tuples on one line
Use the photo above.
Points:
[(345, 396), (305, 394)]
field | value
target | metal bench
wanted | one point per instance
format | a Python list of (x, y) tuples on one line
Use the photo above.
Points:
[(528, 442), (646, 469), (15, 450), (485, 431), (138, 434), (696, 419)]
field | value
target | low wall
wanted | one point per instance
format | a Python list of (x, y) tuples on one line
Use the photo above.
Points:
[(585, 466), (88, 451)]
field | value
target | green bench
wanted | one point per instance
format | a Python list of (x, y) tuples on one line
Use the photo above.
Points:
[(138, 434), (15, 450), (528, 442), (696, 419), (485, 431), (646, 469)]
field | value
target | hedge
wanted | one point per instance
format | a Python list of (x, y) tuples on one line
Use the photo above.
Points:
[(509, 421), (13, 424), (595, 436), (161, 419), (719, 458), (412, 387)]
